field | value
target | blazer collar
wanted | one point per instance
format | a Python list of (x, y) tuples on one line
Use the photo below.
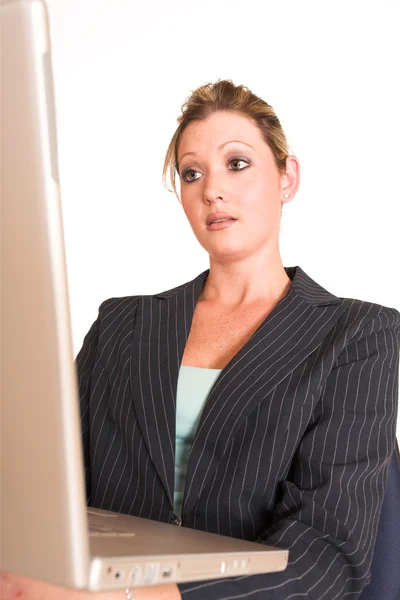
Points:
[(302, 285), (295, 327)]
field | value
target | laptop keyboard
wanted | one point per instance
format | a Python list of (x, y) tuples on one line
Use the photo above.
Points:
[(96, 531)]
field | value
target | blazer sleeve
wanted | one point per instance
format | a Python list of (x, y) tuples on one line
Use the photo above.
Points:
[(84, 365), (330, 502)]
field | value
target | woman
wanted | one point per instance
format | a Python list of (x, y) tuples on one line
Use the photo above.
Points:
[(250, 401)]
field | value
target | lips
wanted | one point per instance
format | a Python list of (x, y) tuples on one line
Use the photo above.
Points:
[(216, 216)]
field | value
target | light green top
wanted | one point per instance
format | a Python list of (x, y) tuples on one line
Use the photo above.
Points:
[(194, 385)]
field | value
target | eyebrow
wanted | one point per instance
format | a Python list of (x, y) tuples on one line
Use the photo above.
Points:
[(219, 147)]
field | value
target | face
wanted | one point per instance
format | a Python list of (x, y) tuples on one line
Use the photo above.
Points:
[(239, 178)]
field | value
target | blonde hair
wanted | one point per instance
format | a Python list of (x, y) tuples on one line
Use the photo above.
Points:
[(224, 95)]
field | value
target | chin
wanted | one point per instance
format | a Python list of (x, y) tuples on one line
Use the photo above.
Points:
[(225, 253)]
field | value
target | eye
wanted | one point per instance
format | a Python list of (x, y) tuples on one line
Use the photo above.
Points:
[(234, 159), (237, 159), (186, 173)]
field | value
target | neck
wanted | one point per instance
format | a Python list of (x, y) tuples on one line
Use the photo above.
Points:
[(251, 281)]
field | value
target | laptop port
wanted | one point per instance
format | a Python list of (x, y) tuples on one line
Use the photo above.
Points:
[(135, 575), (116, 573), (167, 571), (151, 573)]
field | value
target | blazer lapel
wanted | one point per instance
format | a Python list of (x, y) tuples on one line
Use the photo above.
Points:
[(158, 342), (291, 331)]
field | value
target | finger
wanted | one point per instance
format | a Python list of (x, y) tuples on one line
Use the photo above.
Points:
[(8, 587)]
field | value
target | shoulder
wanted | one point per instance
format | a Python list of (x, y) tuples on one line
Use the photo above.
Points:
[(123, 306), (366, 330), (368, 317), (351, 315), (116, 312)]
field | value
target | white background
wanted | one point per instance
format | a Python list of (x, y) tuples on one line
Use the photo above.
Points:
[(122, 71)]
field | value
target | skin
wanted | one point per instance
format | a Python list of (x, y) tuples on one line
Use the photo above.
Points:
[(245, 264), (25, 588)]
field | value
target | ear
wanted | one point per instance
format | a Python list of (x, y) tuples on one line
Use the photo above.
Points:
[(290, 180)]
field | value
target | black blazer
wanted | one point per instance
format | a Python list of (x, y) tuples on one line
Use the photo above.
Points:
[(293, 444)]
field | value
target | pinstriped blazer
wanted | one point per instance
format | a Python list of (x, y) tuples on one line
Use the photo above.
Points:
[(294, 440)]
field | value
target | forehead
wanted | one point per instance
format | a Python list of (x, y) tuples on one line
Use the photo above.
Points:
[(219, 127)]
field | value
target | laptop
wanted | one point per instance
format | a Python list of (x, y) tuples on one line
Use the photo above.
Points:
[(47, 531)]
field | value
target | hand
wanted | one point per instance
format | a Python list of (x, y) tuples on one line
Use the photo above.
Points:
[(26, 588), (166, 591)]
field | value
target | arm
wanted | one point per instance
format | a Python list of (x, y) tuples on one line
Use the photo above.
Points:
[(17, 586), (330, 502), (86, 361), (26, 588), (84, 367)]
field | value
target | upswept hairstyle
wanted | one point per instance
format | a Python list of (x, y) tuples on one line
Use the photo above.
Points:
[(224, 95)]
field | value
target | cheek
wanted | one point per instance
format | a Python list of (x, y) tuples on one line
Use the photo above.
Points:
[(191, 210), (266, 193)]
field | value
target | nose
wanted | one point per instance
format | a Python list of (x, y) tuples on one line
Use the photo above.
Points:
[(212, 192), (212, 186), (212, 198)]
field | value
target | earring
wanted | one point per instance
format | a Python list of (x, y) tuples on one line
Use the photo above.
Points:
[(286, 195)]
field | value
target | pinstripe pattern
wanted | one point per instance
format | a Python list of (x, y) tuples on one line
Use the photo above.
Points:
[(293, 443)]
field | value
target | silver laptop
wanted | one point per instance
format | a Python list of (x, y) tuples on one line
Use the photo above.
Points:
[(47, 531)]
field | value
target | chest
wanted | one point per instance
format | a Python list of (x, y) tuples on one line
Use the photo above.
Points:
[(217, 334)]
